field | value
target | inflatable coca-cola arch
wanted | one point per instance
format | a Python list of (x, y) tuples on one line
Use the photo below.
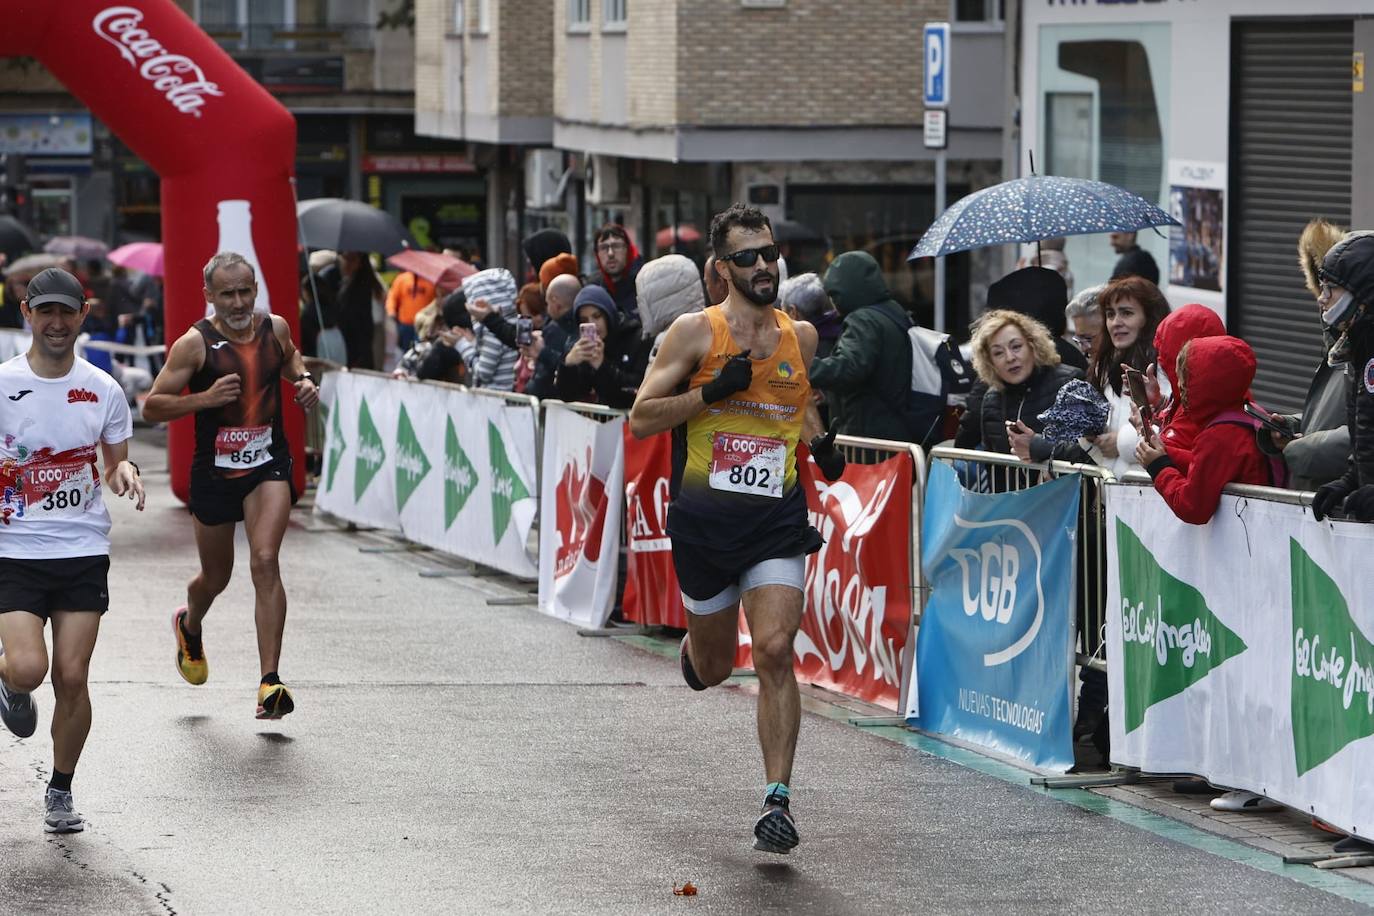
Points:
[(223, 147)]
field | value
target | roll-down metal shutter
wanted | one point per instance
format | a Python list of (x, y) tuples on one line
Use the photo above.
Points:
[(1290, 162)]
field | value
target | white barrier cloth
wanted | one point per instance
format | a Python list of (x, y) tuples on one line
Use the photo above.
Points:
[(1240, 651), (579, 536), (449, 469)]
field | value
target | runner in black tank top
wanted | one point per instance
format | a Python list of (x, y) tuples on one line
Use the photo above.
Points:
[(238, 437), (233, 364)]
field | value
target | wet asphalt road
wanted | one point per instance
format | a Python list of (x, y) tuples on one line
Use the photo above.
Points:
[(451, 756)]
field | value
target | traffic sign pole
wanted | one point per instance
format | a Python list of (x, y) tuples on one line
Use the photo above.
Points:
[(935, 40)]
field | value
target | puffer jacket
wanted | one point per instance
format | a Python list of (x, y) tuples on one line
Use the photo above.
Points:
[(1178, 427), (491, 364), (624, 355), (1219, 373), (666, 288), (867, 378), (986, 423), (1350, 264)]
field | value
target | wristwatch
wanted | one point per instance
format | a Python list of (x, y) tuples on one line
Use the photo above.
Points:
[(303, 376)]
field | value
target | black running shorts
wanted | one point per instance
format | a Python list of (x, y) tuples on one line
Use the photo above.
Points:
[(43, 586), (219, 500)]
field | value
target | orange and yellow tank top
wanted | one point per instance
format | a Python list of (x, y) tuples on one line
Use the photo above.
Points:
[(745, 445)]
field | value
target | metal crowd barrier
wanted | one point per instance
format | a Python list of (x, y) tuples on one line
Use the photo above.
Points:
[(992, 472)]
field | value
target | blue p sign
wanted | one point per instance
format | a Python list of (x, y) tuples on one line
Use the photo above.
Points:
[(936, 64)]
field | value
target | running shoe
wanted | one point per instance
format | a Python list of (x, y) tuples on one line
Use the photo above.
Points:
[(775, 831), (689, 674), (60, 818), (274, 701), (18, 710), (191, 663)]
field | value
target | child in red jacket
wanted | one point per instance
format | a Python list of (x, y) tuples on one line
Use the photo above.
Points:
[(1214, 376)]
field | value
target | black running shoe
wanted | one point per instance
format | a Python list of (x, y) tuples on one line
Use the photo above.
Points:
[(775, 831), (689, 673), (18, 710)]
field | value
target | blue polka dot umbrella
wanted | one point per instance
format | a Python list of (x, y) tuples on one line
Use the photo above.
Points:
[(1035, 208)]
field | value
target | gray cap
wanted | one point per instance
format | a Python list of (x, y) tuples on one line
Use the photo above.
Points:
[(56, 285)]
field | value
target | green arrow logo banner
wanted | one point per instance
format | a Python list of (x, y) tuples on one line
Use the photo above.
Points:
[(411, 463), (460, 479), (336, 449), (1333, 667), (371, 452), (1170, 637), (506, 487)]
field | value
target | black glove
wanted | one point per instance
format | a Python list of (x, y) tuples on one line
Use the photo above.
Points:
[(1329, 496), (1360, 504), (736, 375), (828, 458)]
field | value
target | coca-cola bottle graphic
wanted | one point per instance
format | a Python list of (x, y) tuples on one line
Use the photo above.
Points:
[(236, 234)]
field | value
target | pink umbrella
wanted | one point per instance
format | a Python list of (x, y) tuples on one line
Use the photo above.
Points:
[(144, 257), (440, 269)]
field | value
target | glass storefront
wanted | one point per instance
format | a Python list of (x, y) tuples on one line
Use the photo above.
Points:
[(1105, 115)]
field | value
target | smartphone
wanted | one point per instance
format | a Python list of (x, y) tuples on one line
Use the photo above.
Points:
[(1268, 422), (524, 331), (1135, 381), (588, 331)]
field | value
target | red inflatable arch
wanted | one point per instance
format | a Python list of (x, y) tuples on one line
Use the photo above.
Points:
[(223, 147)]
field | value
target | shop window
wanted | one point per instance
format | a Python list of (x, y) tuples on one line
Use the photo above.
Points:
[(988, 11), (1104, 111)]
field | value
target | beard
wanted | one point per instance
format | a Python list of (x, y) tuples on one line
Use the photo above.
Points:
[(753, 294), (239, 324)]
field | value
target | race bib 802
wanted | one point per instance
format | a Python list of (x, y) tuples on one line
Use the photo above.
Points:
[(748, 464)]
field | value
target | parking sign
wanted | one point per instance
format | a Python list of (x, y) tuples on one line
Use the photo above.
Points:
[(936, 65)]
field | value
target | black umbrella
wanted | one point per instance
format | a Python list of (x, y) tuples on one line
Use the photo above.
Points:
[(15, 238), (349, 225)]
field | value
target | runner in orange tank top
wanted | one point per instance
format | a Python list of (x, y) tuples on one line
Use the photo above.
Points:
[(731, 383), (234, 362)]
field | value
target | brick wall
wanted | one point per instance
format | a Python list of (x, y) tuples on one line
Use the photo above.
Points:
[(651, 60), (823, 62), (431, 23), (526, 57)]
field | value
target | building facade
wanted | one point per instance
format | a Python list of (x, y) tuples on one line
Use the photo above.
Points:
[(346, 74), (659, 113), (1245, 118)]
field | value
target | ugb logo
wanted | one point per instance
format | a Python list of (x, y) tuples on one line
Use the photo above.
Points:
[(991, 573), (995, 593)]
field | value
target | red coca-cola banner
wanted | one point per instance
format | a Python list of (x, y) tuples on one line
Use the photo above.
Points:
[(651, 592), (858, 586), (224, 148)]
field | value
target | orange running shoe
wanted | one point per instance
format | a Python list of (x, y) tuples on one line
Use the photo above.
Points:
[(191, 663)]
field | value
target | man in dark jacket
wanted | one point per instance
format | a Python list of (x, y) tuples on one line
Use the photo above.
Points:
[(1040, 293), (1134, 261), (552, 342), (606, 367), (1347, 301), (867, 378), (618, 264)]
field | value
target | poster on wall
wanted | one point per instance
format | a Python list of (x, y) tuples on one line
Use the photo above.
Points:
[(1197, 248)]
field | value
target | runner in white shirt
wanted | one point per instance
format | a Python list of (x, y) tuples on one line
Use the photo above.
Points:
[(56, 413)]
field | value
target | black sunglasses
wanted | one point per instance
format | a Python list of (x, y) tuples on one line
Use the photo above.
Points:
[(750, 256)]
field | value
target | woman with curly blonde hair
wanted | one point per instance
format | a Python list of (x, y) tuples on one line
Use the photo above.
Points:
[(1014, 356)]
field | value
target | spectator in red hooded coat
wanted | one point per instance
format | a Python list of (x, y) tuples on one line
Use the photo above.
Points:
[(1214, 376), (618, 263), (1178, 428)]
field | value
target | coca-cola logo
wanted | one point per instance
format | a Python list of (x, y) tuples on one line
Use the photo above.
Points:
[(176, 76), (579, 515), (849, 628)]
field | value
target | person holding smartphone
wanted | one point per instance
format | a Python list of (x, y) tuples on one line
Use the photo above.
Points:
[(609, 354)]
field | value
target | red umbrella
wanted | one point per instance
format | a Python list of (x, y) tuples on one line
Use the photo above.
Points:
[(440, 269), (686, 234), (144, 257)]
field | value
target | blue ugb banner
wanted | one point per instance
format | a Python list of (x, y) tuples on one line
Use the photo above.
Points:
[(994, 654)]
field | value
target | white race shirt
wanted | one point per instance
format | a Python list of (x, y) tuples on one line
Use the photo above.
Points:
[(50, 431)]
